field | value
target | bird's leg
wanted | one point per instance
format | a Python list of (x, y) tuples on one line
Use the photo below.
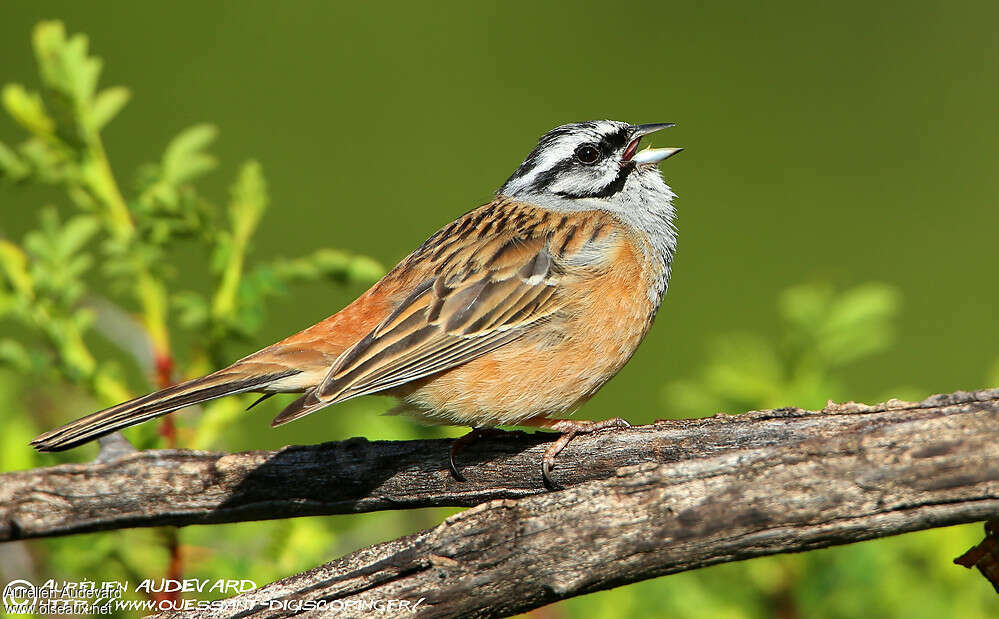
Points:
[(462, 442), (570, 428)]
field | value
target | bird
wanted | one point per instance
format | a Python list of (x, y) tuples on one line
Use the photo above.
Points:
[(514, 314)]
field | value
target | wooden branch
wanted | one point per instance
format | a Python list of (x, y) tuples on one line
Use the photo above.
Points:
[(176, 487), (851, 473)]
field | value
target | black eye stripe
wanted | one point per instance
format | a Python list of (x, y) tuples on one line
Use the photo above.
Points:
[(549, 175), (618, 139), (607, 138), (612, 188)]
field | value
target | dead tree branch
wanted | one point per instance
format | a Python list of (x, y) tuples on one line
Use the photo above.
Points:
[(176, 487), (848, 474)]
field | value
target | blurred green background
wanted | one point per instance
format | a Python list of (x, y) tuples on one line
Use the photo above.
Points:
[(829, 146)]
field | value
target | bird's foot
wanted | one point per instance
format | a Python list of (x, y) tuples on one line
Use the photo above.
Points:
[(570, 429)]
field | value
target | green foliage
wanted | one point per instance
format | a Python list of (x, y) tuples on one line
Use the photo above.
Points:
[(105, 248), (47, 278), (823, 332)]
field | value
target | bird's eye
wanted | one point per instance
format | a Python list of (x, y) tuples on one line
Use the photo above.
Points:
[(588, 154)]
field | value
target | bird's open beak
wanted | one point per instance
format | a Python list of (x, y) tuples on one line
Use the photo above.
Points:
[(648, 155)]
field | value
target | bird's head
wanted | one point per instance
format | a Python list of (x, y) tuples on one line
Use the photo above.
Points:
[(587, 160)]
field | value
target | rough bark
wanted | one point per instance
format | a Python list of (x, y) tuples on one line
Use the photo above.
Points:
[(177, 487), (849, 474)]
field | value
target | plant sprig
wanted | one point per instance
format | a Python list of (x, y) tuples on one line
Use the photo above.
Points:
[(113, 245)]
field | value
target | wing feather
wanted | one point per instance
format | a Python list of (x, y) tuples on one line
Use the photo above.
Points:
[(489, 279), (459, 320)]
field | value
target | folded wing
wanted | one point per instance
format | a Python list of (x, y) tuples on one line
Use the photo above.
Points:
[(484, 292)]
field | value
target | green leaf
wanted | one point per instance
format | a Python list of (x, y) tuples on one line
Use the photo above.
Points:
[(334, 264), (192, 309), (48, 162), (58, 256), (835, 329), (220, 254), (747, 370), (14, 264), (107, 105), (249, 199), (11, 165), (14, 354), (184, 159), (804, 306), (64, 64), (363, 269), (863, 305), (859, 323), (27, 109), (42, 242), (77, 232)]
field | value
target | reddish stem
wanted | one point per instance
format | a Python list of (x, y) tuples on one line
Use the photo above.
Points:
[(175, 570), (164, 378), (168, 430), (164, 370)]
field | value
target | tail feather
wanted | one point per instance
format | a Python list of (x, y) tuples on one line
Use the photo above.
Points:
[(222, 383), (305, 405)]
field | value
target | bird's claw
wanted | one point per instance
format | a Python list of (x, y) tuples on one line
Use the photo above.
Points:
[(570, 429)]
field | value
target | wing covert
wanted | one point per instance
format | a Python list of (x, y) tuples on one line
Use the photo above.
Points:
[(489, 277), (449, 320)]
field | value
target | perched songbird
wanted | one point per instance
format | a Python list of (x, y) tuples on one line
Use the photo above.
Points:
[(514, 314)]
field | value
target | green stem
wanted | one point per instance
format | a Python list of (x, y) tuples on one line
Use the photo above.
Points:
[(225, 298), (249, 200), (150, 292), (103, 184)]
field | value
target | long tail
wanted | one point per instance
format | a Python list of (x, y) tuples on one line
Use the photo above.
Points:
[(225, 382)]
